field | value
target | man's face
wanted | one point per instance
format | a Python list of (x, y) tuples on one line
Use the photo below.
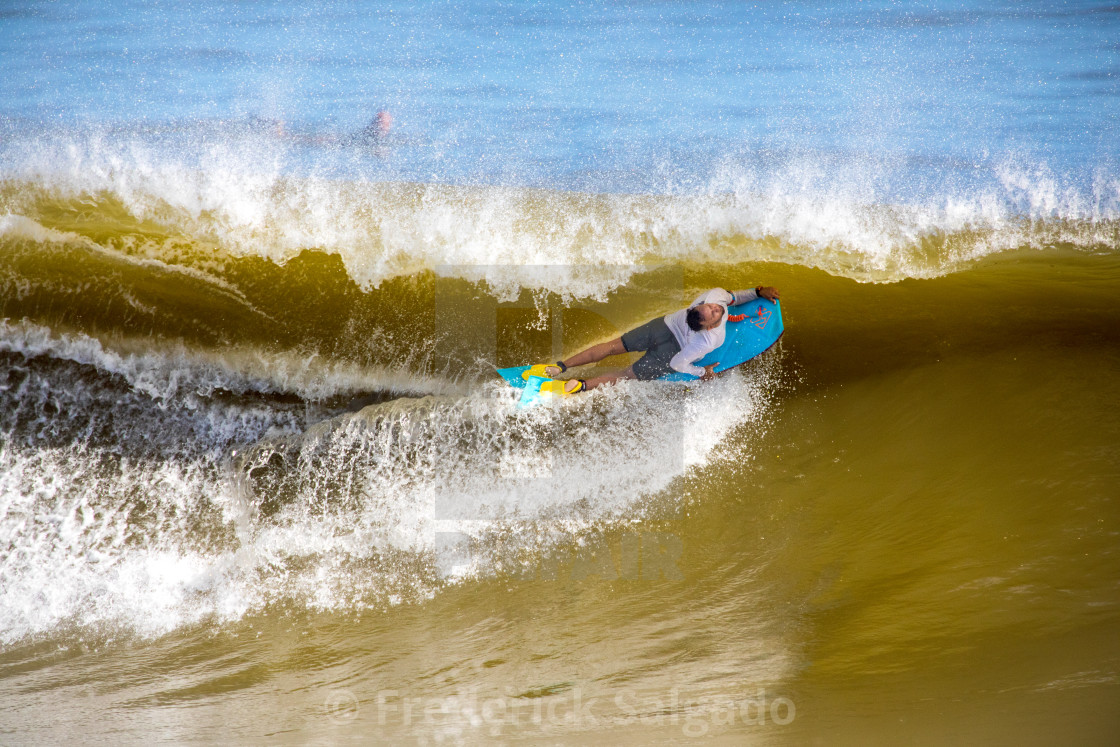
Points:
[(711, 314)]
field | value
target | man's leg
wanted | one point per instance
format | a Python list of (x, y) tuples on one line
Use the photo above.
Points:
[(610, 378), (654, 338), (593, 354), (598, 381)]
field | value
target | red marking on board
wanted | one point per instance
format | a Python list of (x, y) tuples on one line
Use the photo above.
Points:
[(763, 317)]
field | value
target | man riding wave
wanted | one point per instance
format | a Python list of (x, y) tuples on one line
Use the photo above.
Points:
[(673, 342)]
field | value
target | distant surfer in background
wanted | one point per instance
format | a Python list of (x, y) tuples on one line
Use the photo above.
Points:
[(375, 135), (673, 342)]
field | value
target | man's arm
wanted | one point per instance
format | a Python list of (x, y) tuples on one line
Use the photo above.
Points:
[(761, 291), (683, 360), (715, 295), (739, 298), (719, 295)]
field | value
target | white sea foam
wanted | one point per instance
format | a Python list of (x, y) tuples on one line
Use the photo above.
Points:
[(76, 562), (830, 214), (178, 518)]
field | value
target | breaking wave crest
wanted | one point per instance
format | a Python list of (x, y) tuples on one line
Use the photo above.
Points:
[(843, 215)]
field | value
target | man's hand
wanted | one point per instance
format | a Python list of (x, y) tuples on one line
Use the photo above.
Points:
[(709, 373), (767, 292)]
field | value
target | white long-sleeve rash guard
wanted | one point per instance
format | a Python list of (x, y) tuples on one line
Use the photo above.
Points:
[(695, 345)]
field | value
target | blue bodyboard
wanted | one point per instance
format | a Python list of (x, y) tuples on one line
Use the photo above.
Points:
[(531, 391), (744, 340), (513, 376)]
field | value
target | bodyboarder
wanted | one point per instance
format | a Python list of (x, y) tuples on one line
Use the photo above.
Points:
[(670, 343)]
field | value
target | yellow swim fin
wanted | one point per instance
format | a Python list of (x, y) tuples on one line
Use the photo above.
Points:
[(540, 370), (555, 386)]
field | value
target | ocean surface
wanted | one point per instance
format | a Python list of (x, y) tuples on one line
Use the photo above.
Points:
[(260, 484)]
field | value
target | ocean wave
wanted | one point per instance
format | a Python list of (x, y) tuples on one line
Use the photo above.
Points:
[(172, 371), (826, 213), (161, 524)]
